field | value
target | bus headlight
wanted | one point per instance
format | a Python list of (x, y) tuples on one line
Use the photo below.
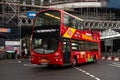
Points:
[(56, 56)]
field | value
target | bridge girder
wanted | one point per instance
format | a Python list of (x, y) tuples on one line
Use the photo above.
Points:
[(87, 24), (91, 24)]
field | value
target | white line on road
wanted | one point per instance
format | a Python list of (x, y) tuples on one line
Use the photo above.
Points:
[(34, 65), (89, 74), (115, 64)]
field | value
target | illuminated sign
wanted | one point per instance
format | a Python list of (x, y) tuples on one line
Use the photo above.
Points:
[(87, 37), (30, 14), (5, 30), (46, 30), (52, 15), (12, 42)]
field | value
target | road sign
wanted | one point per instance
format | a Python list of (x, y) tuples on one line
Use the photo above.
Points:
[(30, 14)]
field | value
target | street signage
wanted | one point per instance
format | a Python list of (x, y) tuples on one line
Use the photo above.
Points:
[(30, 14), (5, 30)]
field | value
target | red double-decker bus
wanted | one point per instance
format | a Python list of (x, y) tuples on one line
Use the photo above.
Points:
[(58, 39)]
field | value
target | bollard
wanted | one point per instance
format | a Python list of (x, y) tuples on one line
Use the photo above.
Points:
[(112, 58)]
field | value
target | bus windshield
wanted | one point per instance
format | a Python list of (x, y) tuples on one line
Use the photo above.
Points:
[(45, 45), (50, 17), (46, 32)]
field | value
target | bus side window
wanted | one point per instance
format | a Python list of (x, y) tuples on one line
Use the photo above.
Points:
[(72, 22), (66, 20), (81, 45)]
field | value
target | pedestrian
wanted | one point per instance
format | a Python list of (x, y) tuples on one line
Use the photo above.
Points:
[(26, 53), (16, 53), (110, 52), (23, 53)]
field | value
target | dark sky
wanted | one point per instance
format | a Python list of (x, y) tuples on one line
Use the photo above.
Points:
[(113, 4)]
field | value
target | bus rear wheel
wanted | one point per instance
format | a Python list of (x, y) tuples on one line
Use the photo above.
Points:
[(74, 62), (94, 59)]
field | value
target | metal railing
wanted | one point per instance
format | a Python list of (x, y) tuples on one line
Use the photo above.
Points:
[(113, 54)]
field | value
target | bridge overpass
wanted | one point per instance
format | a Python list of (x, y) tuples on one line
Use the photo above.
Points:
[(77, 4), (90, 22), (94, 12)]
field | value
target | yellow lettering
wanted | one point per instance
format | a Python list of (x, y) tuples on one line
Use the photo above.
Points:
[(87, 37)]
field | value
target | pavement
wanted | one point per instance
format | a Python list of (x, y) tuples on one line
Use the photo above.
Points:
[(111, 58), (15, 61)]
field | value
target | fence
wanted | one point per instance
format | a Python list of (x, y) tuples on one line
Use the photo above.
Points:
[(111, 56)]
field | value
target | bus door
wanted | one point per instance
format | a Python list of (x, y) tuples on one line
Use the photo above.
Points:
[(66, 51)]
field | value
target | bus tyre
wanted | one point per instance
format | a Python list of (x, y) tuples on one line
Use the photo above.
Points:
[(94, 59), (74, 62), (49, 66)]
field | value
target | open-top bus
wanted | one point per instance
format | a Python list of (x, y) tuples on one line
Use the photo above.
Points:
[(58, 39)]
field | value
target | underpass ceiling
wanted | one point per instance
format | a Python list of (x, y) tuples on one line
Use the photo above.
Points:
[(94, 25)]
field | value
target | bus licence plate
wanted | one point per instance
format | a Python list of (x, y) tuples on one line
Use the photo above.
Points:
[(43, 61)]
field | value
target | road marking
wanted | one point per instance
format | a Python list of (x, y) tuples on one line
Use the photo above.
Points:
[(89, 74), (33, 65), (29, 64), (115, 64)]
